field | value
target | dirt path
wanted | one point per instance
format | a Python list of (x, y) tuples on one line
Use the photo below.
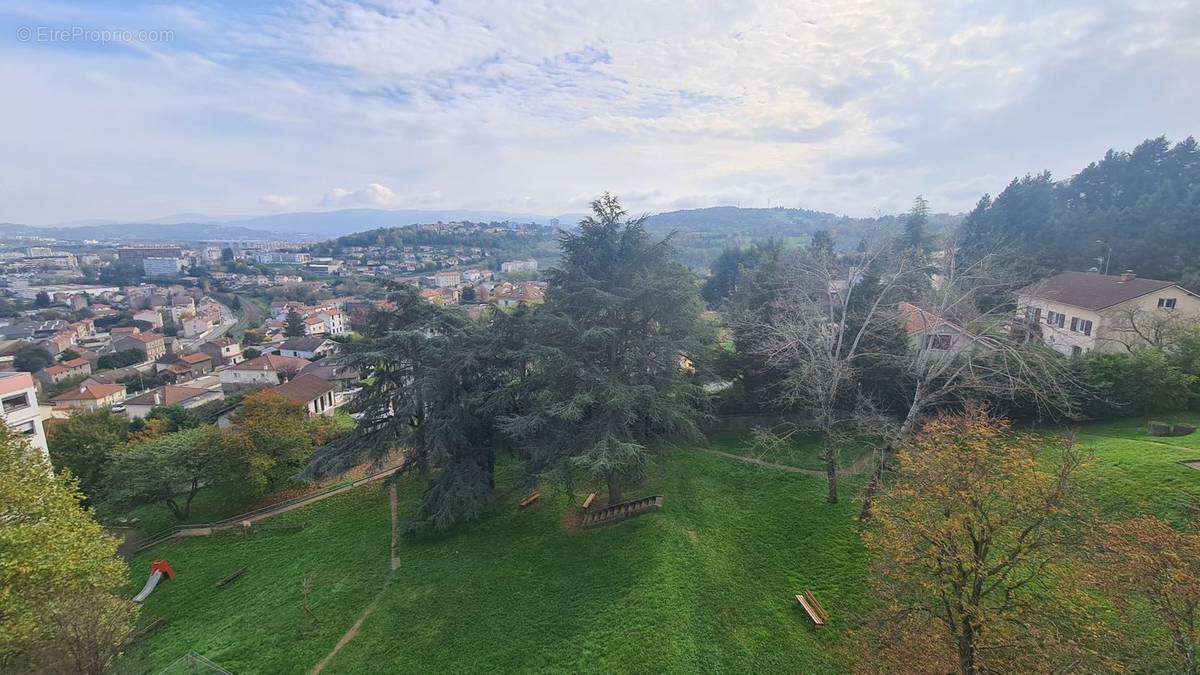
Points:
[(395, 528), (362, 618), (852, 470)]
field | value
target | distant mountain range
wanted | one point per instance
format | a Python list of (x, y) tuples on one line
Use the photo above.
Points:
[(320, 225)]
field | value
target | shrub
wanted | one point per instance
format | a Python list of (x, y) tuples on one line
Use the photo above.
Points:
[(1144, 382)]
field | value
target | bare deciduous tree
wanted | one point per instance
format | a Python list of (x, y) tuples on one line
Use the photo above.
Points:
[(1137, 327), (967, 345), (818, 331), (988, 355)]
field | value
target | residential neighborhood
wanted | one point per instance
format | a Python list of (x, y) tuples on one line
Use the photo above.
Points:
[(347, 336)]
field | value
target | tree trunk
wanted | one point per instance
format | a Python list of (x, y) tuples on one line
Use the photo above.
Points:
[(910, 420), (831, 494), (173, 508), (187, 504), (614, 487), (966, 649), (875, 483)]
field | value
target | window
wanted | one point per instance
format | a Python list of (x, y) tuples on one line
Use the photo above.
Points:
[(1166, 303), (1081, 326), (1033, 314), (938, 342), (15, 402), (1055, 319), (1076, 351)]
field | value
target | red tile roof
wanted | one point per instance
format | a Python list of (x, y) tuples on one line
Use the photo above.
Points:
[(167, 395), (90, 392), (304, 389), (272, 362)]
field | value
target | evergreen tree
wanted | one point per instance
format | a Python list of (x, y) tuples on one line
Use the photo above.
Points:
[(731, 266), (610, 378), (1122, 207), (41, 300), (821, 243), (436, 387), (915, 221), (295, 323)]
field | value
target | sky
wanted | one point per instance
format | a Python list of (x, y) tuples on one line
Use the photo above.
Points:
[(132, 110)]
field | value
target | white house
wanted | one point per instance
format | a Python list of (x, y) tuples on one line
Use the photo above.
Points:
[(931, 336), (196, 326), (90, 396), (150, 316), (447, 278), (223, 351), (511, 266), (310, 391), (140, 406), (307, 347), (19, 408), (1079, 312), (267, 370), (334, 321)]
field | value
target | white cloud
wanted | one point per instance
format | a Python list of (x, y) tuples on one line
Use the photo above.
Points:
[(844, 105), (373, 195), (276, 201)]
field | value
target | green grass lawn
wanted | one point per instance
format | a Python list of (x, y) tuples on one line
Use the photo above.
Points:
[(1134, 473), (208, 506), (300, 593), (803, 449), (704, 585)]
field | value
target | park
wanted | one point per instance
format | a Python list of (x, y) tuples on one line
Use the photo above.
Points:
[(705, 584)]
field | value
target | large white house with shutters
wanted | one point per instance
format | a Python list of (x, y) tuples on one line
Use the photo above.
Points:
[(1080, 312)]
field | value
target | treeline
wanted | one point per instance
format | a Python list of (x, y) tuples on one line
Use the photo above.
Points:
[(415, 235), (701, 235), (1143, 206)]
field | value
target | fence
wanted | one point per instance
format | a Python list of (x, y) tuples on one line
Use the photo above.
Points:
[(234, 522), (192, 662)]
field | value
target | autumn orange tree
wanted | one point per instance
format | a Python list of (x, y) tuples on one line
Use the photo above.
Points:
[(276, 439), (1151, 571), (968, 546)]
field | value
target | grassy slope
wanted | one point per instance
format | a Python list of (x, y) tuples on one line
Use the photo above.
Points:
[(259, 623), (703, 585), (208, 506), (1135, 473), (803, 450)]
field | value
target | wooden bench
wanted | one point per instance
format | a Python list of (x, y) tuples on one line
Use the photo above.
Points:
[(231, 578), (814, 609), (588, 502), (530, 498)]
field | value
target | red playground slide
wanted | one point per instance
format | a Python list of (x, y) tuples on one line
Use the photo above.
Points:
[(158, 569)]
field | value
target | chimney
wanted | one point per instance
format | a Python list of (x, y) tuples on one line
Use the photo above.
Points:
[(1128, 275), (158, 397)]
